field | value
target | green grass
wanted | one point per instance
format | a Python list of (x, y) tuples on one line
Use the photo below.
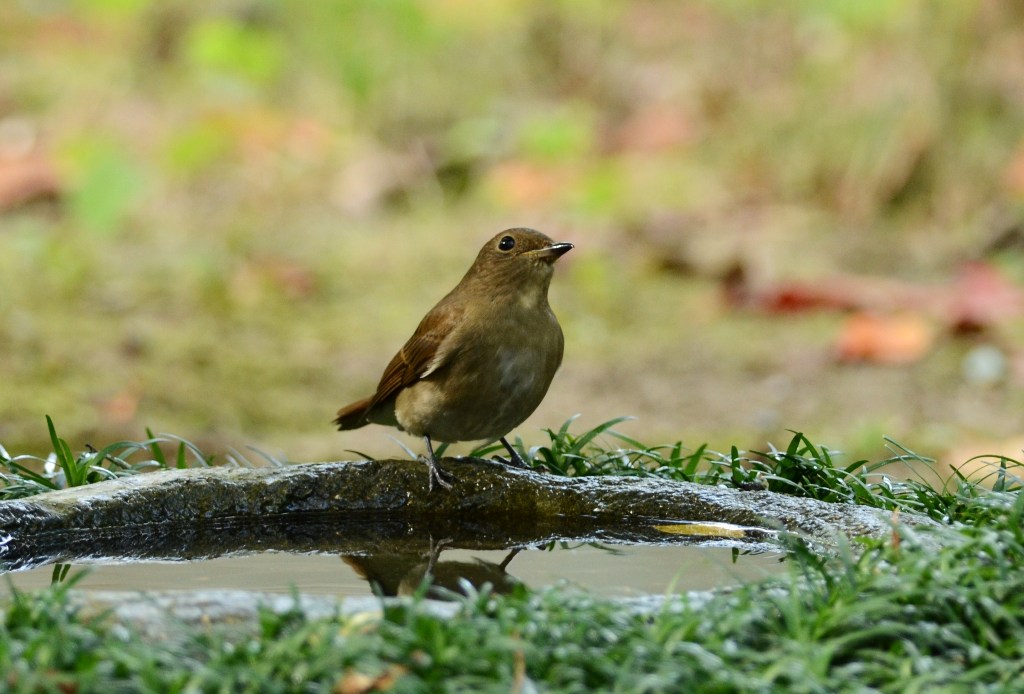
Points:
[(895, 615), (834, 136), (899, 482), (803, 469), (26, 475)]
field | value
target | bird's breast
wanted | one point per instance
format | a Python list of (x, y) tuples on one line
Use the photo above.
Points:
[(494, 381)]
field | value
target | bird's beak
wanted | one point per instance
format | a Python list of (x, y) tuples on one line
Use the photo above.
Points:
[(554, 251)]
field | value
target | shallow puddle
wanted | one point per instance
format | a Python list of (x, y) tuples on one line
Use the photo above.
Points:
[(610, 570)]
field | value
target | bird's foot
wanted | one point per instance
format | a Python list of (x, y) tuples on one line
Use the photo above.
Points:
[(435, 473), (511, 555), (514, 460), (435, 550)]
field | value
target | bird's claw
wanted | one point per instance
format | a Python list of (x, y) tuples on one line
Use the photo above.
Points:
[(434, 472), (514, 461)]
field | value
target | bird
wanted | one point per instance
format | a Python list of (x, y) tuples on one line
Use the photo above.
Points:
[(481, 360)]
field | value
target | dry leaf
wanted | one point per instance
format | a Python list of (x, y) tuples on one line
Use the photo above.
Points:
[(359, 682), (703, 529), (894, 339), (982, 297), (29, 177), (519, 184), (1013, 175), (121, 407)]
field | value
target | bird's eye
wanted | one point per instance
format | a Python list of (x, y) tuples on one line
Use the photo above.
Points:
[(507, 243)]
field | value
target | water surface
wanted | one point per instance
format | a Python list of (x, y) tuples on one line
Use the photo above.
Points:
[(609, 570)]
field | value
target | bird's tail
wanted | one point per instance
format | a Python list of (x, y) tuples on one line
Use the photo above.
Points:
[(353, 416)]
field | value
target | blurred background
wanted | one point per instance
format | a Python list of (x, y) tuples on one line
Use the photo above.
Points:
[(221, 218)]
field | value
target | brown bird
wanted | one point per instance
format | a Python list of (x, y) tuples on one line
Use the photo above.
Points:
[(482, 359)]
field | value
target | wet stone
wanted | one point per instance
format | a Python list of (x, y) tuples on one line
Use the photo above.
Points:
[(384, 508)]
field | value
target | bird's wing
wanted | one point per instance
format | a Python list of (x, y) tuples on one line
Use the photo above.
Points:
[(425, 352)]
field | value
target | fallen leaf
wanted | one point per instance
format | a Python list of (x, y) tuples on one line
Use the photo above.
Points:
[(121, 407), (359, 682), (355, 683), (1013, 175), (519, 183), (703, 529), (981, 297), (885, 339), (26, 178), (841, 292)]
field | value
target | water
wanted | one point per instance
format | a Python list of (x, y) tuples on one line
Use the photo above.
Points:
[(607, 570)]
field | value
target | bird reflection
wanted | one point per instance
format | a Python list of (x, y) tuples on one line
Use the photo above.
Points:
[(396, 574)]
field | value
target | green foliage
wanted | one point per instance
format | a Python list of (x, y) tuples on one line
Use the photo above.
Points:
[(108, 184), (558, 136), (935, 611), (26, 475), (191, 151), (926, 609), (123, 8), (802, 469), (45, 646), (233, 49)]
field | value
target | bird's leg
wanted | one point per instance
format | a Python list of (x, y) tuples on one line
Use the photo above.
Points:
[(435, 553), (435, 472), (516, 460), (511, 555)]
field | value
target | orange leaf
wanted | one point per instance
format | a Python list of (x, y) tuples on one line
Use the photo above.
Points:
[(895, 339), (26, 178), (981, 297), (521, 184)]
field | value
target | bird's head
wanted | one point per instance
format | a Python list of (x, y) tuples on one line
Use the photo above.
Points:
[(518, 257)]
